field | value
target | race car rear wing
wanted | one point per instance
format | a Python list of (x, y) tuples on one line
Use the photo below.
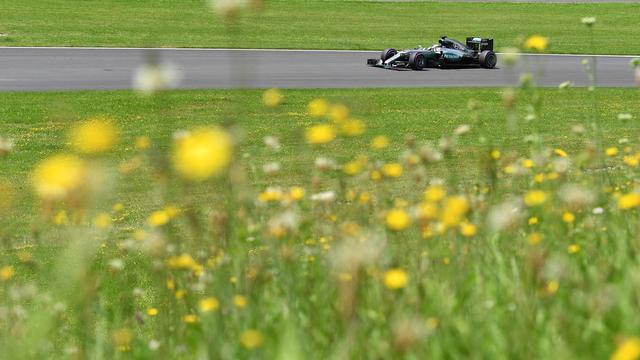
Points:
[(479, 44)]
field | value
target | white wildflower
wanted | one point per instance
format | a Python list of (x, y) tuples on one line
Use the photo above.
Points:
[(150, 78)]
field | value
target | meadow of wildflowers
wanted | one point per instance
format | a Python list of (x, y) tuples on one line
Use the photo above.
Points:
[(321, 223)]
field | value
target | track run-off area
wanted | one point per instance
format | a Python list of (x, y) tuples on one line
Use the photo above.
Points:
[(39, 68)]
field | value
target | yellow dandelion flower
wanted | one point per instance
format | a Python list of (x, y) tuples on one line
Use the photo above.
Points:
[(159, 218), (202, 154), (152, 311), (568, 217), (629, 201), (60, 218), (318, 107), (59, 176), (122, 339), (397, 219), (180, 294), (468, 229), (535, 197), (338, 113), (380, 142), (527, 163), (629, 349), (181, 262), (396, 279), (143, 142), (296, 193), (353, 127), (94, 136), (209, 304), (454, 210), (534, 238), (392, 170), (611, 151), (573, 248), (435, 193), (190, 319), (270, 194), (560, 152), (364, 198), (272, 97), (552, 287), (320, 134), (495, 154), (376, 175), (427, 210), (240, 302), (536, 42), (102, 221), (251, 339), (631, 161), (352, 168), (533, 220), (7, 272)]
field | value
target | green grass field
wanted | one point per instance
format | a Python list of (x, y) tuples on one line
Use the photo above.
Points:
[(512, 263), (316, 24)]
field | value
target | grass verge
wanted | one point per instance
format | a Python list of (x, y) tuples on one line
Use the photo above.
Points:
[(316, 24)]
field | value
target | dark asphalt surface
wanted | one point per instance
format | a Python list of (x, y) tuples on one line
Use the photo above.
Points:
[(98, 69)]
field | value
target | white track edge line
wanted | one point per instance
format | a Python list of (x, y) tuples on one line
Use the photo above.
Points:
[(271, 50)]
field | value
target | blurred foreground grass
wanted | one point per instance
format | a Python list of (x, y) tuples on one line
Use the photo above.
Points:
[(316, 24), (378, 223)]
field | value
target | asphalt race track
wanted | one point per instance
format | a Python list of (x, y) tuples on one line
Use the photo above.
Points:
[(95, 68)]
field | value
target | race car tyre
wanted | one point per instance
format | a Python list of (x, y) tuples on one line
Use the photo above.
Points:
[(488, 59), (417, 61), (387, 53)]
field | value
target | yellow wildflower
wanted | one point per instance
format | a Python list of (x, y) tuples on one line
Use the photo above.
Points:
[(631, 161), (536, 42), (190, 319), (94, 136), (392, 170), (272, 97), (629, 201), (352, 167), (58, 176), (527, 163), (454, 210), (434, 193), (159, 218), (209, 304), (495, 154), (318, 107), (427, 210), (468, 229), (7, 272), (629, 349), (296, 193), (397, 219), (533, 220), (379, 142), (102, 221), (251, 339), (534, 238), (560, 152), (552, 287), (611, 151), (568, 217), (271, 194), (353, 127), (396, 279), (122, 338), (202, 154), (152, 311), (338, 113), (320, 134), (535, 197), (240, 301), (573, 248), (143, 142), (181, 262)]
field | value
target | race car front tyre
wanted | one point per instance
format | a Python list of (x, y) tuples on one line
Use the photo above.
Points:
[(488, 59), (417, 61), (387, 53)]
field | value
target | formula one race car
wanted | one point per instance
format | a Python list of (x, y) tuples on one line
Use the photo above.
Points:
[(447, 52)]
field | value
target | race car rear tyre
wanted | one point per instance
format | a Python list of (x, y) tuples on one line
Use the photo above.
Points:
[(417, 61), (488, 59), (387, 53)]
